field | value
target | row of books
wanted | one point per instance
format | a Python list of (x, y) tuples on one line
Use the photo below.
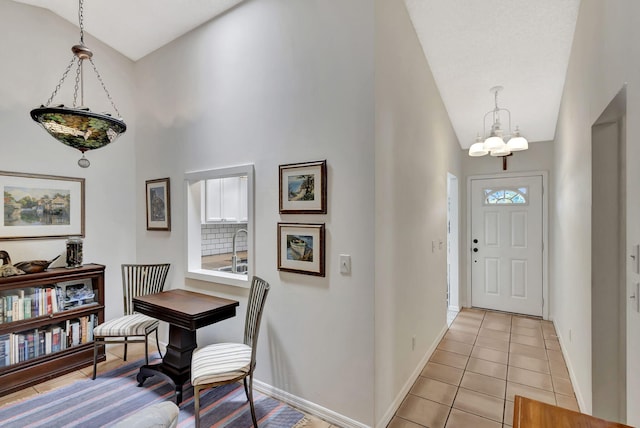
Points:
[(23, 346), (34, 302)]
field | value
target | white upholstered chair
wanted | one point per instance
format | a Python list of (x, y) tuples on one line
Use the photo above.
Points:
[(223, 363), (137, 280)]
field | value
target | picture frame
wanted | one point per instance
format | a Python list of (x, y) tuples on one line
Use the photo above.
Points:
[(158, 197), (303, 188), (37, 206), (301, 248)]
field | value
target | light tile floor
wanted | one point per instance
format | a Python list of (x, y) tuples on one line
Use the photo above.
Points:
[(483, 361), (114, 360)]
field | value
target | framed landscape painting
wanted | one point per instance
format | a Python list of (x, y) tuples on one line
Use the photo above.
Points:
[(39, 206), (301, 248), (303, 188), (158, 195)]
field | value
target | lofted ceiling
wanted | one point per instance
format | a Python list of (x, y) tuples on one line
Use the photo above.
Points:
[(471, 46), (136, 28), (522, 45)]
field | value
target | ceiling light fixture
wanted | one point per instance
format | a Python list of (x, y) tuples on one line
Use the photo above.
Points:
[(494, 144), (77, 126)]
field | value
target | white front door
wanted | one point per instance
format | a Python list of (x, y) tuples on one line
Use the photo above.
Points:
[(506, 244)]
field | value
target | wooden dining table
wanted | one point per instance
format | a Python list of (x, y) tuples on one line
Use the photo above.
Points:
[(185, 311), (529, 413)]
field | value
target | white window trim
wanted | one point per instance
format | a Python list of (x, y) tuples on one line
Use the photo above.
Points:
[(193, 254)]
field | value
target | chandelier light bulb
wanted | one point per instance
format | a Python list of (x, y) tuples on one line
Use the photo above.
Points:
[(517, 142), (493, 143)]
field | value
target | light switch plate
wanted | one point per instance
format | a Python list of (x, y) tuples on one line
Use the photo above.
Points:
[(345, 263)]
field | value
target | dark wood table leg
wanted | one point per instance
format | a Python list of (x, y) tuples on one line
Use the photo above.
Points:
[(176, 364)]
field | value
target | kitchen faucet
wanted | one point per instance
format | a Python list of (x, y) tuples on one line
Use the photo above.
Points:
[(234, 258)]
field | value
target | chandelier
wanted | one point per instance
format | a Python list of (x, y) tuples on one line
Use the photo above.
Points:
[(77, 126), (493, 142)]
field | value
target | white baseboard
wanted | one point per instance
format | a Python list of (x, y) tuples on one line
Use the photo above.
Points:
[(388, 415), (576, 390), (308, 406), (454, 308)]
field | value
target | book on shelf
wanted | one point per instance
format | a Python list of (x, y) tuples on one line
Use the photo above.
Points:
[(48, 341), (20, 348), (17, 312), (5, 350), (52, 297), (56, 339), (32, 348), (9, 305), (92, 323), (41, 348), (26, 303)]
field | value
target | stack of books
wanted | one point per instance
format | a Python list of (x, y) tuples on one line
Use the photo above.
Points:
[(18, 347)]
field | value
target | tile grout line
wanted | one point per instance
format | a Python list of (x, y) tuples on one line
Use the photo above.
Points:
[(464, 370)]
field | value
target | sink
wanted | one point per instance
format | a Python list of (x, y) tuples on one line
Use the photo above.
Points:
[(241, 268)]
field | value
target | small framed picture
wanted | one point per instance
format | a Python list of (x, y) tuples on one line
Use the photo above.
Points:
[(158, 194), (303, 188), (40, 206), (301, 248)]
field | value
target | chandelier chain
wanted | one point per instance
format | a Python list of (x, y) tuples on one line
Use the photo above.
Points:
[(64, 76), (77, 84), (81, 19), (106, 91)]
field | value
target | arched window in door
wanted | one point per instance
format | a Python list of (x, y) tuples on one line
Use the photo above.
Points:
[(505, 196)]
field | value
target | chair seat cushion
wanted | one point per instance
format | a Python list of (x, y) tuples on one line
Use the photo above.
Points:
[(128, 325), (220, 362)]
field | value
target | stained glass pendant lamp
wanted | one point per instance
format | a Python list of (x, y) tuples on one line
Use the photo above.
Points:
[(77, 126)]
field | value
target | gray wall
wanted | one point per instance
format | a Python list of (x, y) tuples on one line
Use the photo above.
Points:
[(276, 82), (604, 57), (415, 148), (31, 69)]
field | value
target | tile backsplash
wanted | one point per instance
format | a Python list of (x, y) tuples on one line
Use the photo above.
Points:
[(218, 238)]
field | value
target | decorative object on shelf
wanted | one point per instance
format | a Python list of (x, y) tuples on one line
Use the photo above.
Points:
[(41, 206), (158, 204), (301, 248), (303, 188), (74, 252), (493, 142), (7, 269), (35, 266), (77, 126)]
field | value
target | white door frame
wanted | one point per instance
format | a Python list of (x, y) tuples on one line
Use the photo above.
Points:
[(545, 231), (453, 244)]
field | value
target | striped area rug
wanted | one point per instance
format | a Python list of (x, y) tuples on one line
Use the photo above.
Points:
[(114, 395)]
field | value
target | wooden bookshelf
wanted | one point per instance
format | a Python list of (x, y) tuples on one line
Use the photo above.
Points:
[(79, 294)]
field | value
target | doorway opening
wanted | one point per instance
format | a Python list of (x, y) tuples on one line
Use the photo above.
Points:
[(453, 264), (608, 264)]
